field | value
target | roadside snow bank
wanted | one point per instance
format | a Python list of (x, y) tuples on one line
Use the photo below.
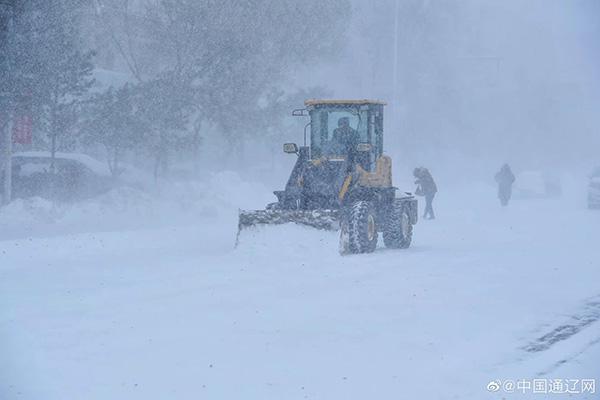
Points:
[(173, 203), (231, 189), (23, 211)]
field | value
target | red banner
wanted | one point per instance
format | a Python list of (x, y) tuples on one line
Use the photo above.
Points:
[(21, 132)]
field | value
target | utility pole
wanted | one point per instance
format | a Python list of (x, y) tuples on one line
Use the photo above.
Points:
[(7, 191), (395, 101), (7, 153)]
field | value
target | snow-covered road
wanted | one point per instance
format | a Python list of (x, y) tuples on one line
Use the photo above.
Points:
[(176, 313)]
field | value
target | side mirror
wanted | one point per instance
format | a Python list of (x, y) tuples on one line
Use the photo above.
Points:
[(290, 148), (300, 112), (364, 147)]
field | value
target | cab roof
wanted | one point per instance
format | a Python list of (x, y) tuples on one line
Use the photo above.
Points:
[(316, 102)]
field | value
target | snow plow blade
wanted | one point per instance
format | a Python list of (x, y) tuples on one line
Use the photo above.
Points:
[(320, 219)]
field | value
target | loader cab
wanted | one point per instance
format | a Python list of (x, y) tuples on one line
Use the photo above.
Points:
[(333, 122)]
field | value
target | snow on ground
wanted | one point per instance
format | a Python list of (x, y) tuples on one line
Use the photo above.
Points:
[(169, 309), (127, 208)]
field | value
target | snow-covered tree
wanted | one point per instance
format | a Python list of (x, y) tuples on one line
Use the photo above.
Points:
[(163, 106), (48, 67), (236, 53), (111, 121), (231, 55)]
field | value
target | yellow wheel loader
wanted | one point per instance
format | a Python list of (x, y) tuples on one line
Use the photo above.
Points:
[(342, 180)]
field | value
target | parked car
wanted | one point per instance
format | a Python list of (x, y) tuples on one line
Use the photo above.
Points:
[(70, 177), (594, 189), (74, 176), (536, 184)]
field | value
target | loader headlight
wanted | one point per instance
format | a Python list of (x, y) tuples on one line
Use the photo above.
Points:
[(364, 147), (290, 148)]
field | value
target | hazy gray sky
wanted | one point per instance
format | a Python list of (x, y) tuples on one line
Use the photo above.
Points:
[(500, 80)]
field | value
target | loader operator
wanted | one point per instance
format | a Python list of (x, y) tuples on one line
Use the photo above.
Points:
[(345, 138)]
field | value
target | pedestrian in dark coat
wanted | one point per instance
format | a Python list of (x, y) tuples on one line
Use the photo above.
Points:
[(505, 179), (425, 187)]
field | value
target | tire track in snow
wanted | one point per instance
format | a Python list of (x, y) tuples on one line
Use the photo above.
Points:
[(567, 360), (578, 322)]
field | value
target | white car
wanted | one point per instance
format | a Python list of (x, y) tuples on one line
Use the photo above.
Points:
[(594, 189)]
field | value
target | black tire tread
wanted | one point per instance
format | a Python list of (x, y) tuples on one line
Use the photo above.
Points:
[(392, 230), (357, 228)]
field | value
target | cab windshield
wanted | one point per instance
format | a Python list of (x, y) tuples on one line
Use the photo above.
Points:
[(336, 131)]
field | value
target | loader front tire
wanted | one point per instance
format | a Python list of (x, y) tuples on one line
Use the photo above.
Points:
[(361, 229), (397, 231)]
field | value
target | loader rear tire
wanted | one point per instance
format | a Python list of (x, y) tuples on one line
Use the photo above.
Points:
[(397, 231), (361, 228)]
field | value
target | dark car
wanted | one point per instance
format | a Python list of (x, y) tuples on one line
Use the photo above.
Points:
[(594, 189), (69, 177)]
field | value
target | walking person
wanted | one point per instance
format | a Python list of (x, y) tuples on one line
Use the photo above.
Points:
[(505, 179), (425, 187)]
